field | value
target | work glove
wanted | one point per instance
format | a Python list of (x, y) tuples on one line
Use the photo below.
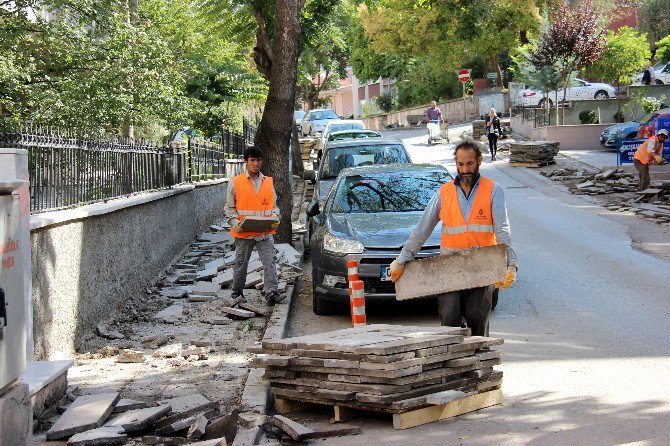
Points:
[(235, 224), (396, 270), (659, 159), (510, 278)]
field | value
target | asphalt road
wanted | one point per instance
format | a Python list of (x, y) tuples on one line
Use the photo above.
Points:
[(586, 358)]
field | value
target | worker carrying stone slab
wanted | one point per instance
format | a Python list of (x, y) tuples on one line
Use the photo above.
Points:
[(473, 213), (253, 194)]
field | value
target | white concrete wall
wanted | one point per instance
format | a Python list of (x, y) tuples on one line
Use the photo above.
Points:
[(87, 265), (452, 111)]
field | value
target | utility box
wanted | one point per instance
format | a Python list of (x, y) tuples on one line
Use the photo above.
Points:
[(14, 267)]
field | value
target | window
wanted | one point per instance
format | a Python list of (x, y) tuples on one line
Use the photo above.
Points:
[(387, 192), (342, 157), (318, 115)]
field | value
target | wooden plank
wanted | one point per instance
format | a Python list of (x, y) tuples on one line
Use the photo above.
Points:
[(85, 413), (343, 414), (435, 413), (284, 406)]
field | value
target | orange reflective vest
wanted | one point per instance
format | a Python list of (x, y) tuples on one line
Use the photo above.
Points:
[(248, 202), (645, 157), (478, 230)]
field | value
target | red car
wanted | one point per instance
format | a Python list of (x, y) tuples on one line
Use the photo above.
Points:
[(657, 120)]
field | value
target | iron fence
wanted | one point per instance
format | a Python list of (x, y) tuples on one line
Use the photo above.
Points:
[(67, 170)]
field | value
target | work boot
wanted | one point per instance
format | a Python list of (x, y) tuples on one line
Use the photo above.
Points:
[(237, 298), (274, 297)]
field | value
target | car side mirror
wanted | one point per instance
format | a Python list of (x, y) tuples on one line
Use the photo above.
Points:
[(313, 209), (309, 175)]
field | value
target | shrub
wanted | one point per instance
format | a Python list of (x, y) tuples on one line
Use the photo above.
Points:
[(385, 102), (588, 117), (651, 104)]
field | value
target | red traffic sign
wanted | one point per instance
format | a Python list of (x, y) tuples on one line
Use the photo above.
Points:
[(463, 74)]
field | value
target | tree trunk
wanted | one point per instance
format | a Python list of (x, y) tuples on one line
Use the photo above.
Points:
[(274, 131)]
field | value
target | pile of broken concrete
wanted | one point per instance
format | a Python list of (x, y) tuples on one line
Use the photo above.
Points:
[(107, 419), (607, 181)]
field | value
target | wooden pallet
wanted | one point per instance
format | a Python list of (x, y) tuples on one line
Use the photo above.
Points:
[(546, 163), (401, 420)]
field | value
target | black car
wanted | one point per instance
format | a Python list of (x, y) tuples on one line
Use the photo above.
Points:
[(368, 215)]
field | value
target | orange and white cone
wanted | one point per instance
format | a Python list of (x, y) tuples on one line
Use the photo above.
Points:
[(352, 271), (357, 302)]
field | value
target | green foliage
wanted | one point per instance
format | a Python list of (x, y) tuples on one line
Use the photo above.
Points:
[(654, 19), (626, 54), (385, 102), (588, 117), (663, 49), (651, 104)]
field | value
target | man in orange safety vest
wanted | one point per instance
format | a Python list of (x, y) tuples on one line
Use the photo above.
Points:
[(473, 213), (252, 193), (649, 152)]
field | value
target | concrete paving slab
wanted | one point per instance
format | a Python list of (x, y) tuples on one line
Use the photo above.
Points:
[(125, 405), (136, 420), (171, 314), (85, 413), (205, 288), (100, 436), (460, 270)]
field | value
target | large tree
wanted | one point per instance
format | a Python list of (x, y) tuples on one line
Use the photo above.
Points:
[(573, 41), (626, 54)]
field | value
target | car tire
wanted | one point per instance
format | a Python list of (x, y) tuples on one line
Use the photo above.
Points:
[(494, 299), (320, 306), (658, 82), (601, 94)]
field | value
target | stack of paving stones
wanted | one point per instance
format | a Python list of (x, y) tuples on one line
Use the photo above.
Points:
[(478, 128), (533, 153), (652, 204), (386, 368), (306, 146), (106, 419)]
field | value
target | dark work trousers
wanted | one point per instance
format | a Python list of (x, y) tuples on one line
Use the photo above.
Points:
[(644, 174), (474, 305), (493, 144), (266, 253)]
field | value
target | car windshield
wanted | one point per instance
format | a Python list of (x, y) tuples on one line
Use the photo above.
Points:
[(336, 127), (341, 157), (387, 192), (323, 114), (645, 118), (353, 135), (298, 115)]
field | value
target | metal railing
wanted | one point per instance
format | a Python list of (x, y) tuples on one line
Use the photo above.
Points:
[(68, 170)]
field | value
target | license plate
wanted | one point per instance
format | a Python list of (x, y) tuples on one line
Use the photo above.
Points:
[(385, 273)]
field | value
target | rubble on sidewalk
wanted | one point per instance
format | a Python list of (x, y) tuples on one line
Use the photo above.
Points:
[(607, 181), (385, 368)]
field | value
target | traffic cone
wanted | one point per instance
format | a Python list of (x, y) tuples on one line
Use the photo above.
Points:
[(357, 303), (352, 271)]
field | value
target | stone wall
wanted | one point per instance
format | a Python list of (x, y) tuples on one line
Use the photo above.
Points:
[(87, 262)]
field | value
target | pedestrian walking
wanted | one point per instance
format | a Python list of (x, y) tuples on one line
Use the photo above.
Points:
[(647, 153), (252, 193), (493, 131), (473, 213), (649, 76)]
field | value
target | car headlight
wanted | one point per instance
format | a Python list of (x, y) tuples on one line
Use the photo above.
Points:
[(620, 135), (341, 246)]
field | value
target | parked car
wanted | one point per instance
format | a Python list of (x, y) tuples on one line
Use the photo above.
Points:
[(338, 125), (578, 89), (368, 215), (653, 123), (352, 153), (297, 118), (661, 74), (353, 134), (612, 136), (315, 121)]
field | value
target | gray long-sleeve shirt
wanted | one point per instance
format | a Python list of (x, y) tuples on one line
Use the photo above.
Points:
[(431, 217), (231, 211)]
